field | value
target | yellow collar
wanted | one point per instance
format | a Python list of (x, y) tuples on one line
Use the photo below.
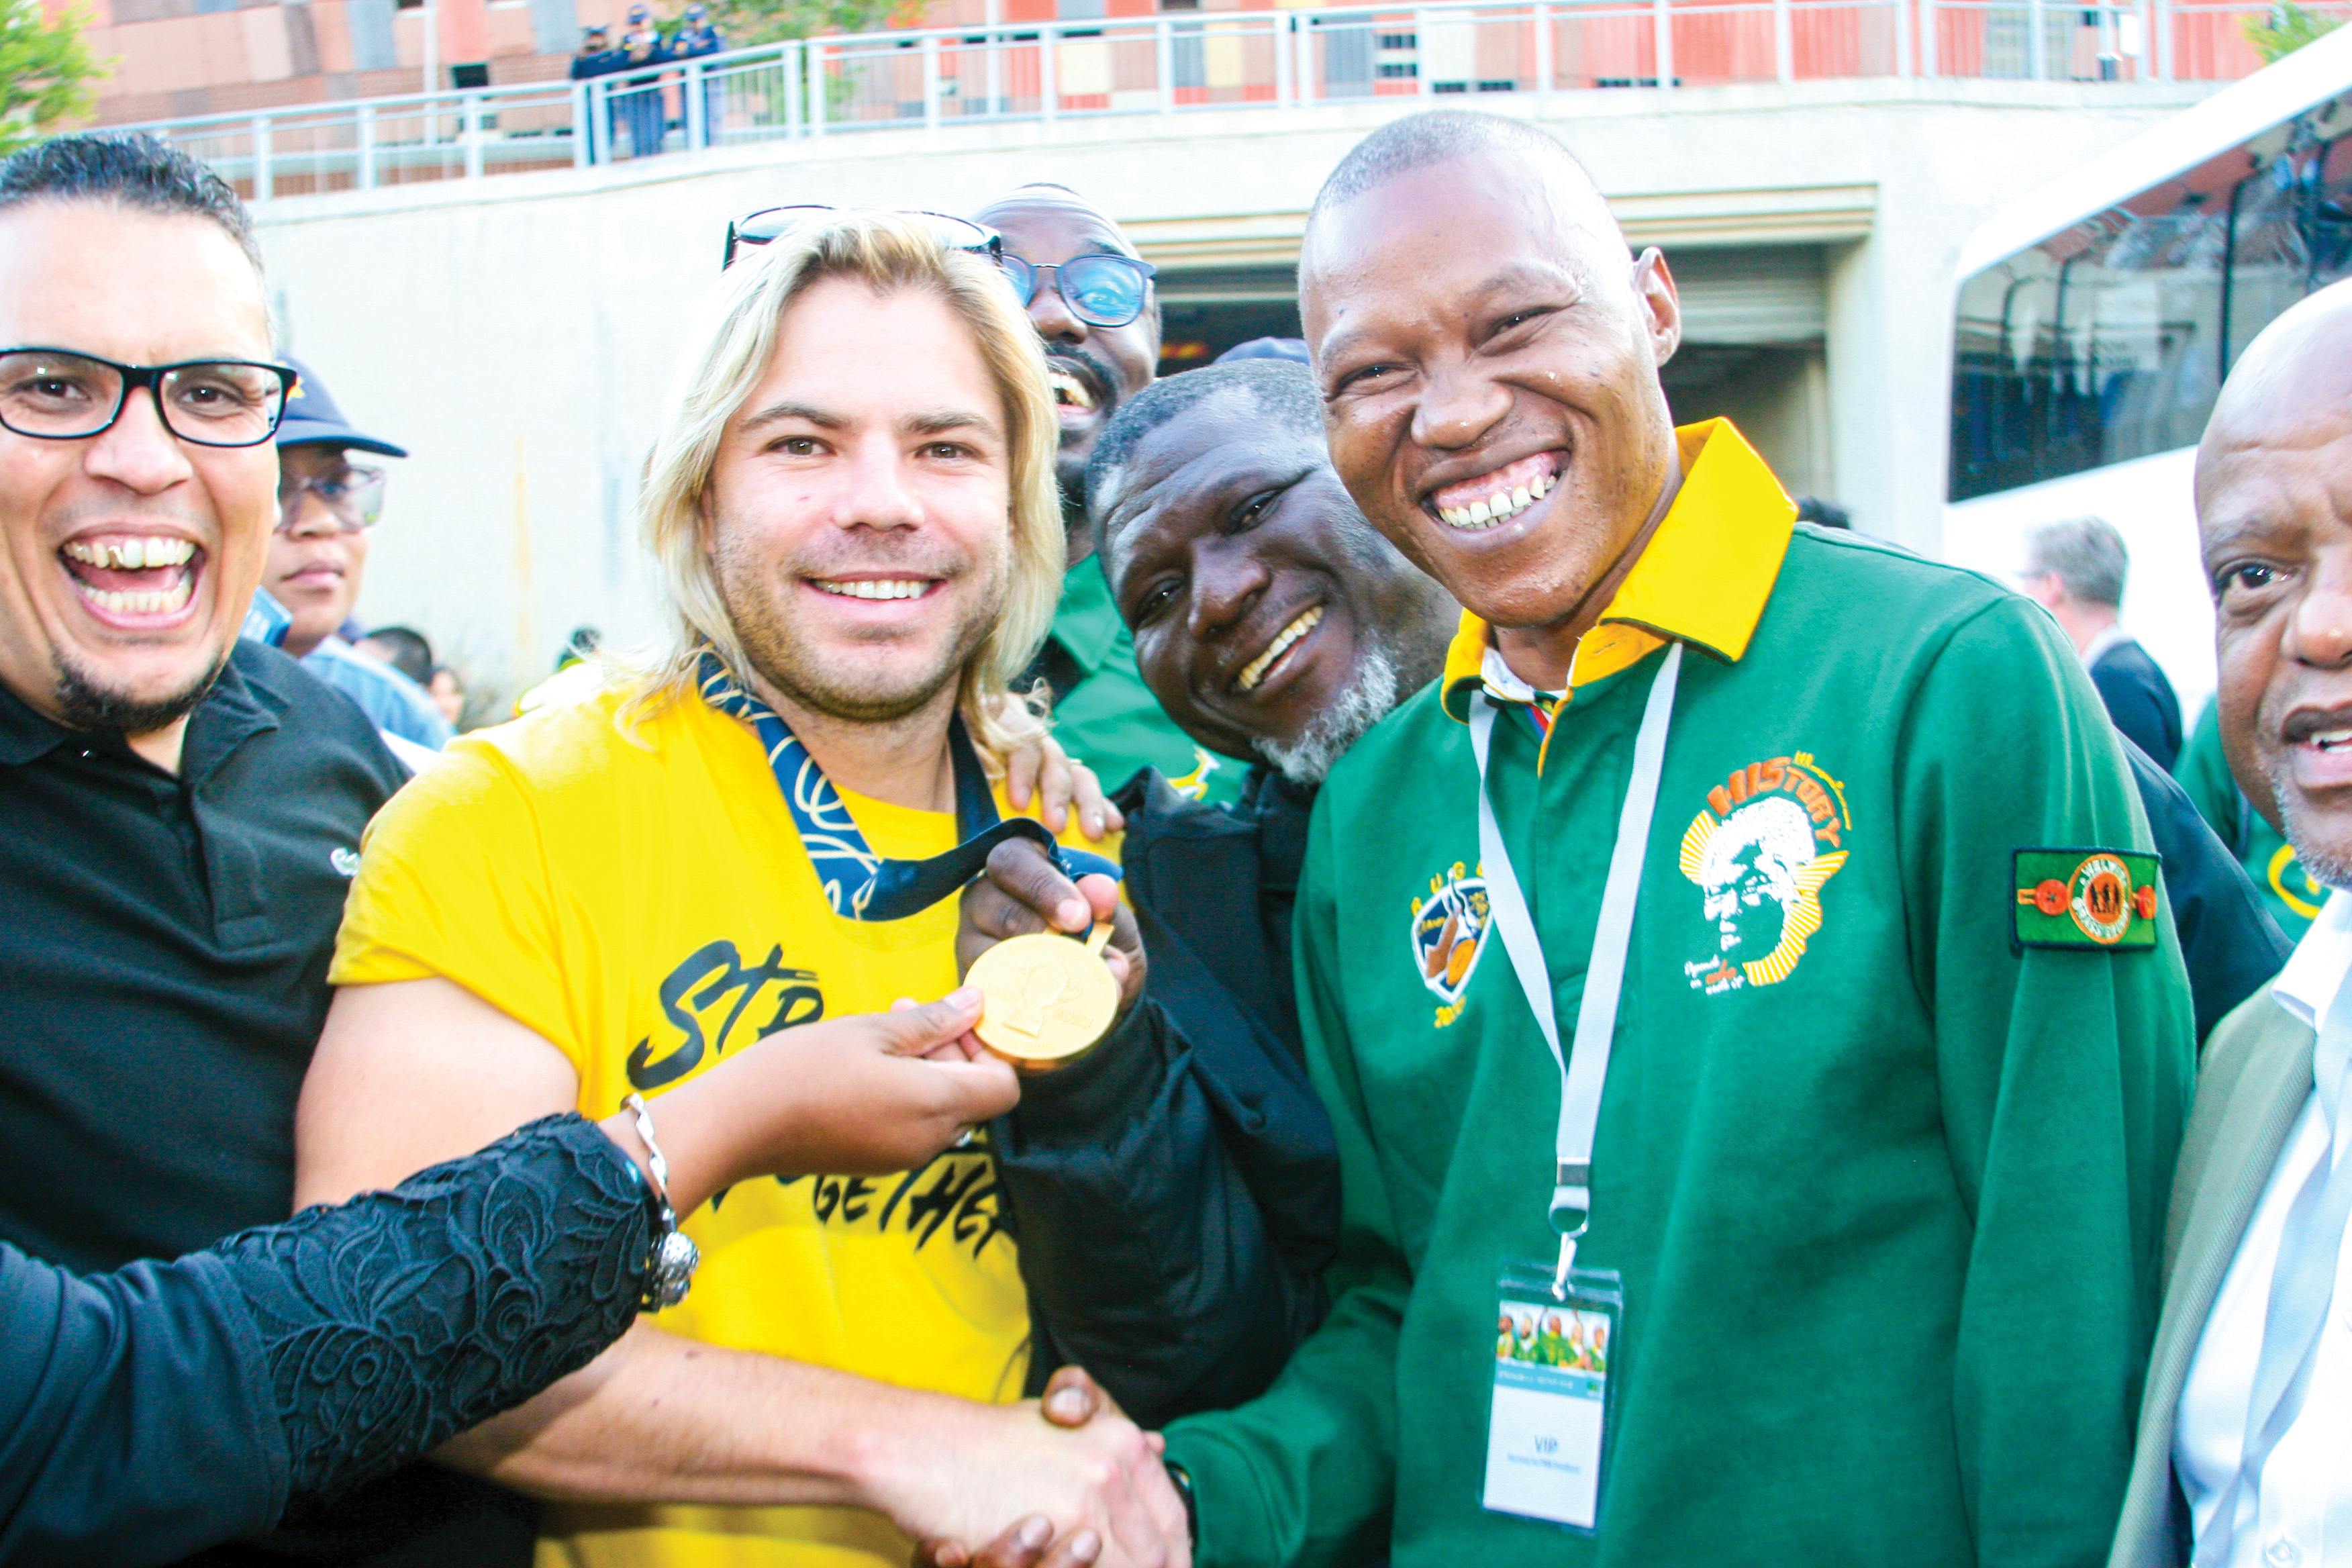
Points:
[(1704, 578)]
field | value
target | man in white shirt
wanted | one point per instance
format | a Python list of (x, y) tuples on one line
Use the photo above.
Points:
[(2245, 1439)]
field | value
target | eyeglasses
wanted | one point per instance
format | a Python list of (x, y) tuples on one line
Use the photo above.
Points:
[(353, 494), (1102, 290), (56, 394), (774, 223)]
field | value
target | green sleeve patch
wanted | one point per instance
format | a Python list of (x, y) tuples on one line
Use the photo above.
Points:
[(2086, 898)]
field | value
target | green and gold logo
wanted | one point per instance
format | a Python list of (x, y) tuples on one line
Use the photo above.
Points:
[(1449, 934)]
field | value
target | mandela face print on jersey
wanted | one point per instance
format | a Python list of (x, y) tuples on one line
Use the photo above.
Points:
[(1760, 849)]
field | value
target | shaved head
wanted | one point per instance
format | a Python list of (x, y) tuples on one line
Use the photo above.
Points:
[(1450, 135), (1281, 390), (2274, 524), (2297, 369)]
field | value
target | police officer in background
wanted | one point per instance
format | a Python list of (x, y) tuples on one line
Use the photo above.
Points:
[(695, 38), (644, 106)]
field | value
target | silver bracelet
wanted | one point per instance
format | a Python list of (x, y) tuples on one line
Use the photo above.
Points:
[(669, 1269)]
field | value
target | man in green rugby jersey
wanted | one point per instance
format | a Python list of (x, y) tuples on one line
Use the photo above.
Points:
[(1874, 1157)]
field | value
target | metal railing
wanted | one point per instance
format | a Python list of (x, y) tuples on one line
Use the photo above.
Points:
[(1184, 61)]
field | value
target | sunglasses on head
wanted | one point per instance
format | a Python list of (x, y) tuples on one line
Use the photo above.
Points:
[(1102, 290), (774, 223)]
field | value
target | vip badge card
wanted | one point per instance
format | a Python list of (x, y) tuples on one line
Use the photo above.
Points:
[(1551, 1395)]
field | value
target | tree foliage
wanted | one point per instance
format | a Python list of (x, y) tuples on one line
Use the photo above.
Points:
[(747, 22), (2285, 29), (48, 75)]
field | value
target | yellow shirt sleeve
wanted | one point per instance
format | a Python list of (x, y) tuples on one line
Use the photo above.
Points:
[(454, 882)]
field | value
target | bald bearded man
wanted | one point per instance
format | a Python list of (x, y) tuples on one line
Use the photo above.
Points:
[(1867, 1067), (2249, 1405)]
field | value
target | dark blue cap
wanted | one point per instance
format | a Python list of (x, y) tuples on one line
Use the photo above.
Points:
[(312, 419)]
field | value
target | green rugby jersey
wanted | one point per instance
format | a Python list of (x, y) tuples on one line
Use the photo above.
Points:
[(1886, 1189)]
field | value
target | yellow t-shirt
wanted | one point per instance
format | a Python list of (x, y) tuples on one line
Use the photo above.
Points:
[(647, 908)]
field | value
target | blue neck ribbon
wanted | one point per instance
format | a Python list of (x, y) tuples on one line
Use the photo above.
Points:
[(859, 884)]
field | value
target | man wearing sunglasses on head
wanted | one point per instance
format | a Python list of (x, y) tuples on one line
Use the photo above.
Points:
[(1089, 296), (326, 505)]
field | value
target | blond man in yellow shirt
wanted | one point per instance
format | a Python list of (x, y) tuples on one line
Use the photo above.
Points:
[(851, 507)]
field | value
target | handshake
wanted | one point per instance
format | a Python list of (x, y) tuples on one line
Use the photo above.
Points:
[(1092, 1483)]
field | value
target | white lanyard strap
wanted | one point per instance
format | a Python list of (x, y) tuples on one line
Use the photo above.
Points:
[(1583, 1075)]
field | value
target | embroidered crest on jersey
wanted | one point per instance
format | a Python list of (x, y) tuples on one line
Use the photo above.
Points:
[(2088, 898), (2297, 889), (1760, 850), (1449, 933)]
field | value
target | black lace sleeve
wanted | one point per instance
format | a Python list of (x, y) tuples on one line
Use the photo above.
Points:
[(396, 1321)]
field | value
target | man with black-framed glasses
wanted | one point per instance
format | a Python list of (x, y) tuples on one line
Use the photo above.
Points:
[(326, 506), (1090, 297), (183, 805)]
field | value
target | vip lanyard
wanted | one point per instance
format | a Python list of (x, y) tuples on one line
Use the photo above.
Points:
[(1583, 1074), (859, 884)]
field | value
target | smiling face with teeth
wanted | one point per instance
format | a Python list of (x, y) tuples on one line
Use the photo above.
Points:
[(858, 511), (1257, 593), (1494, 408), (1092, 369), (127, 559), (2274, 517)]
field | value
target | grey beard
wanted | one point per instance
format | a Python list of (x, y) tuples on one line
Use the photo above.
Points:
[(2329, 869), (1327, 736)]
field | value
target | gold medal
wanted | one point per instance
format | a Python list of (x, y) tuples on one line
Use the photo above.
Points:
[(1047, 997)]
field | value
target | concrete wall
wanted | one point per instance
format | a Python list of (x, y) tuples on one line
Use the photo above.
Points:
[(517, 333)]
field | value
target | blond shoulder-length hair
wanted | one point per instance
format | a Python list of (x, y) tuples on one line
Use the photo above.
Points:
[(727, 352)]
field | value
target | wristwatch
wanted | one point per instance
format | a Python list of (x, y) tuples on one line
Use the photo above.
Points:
[(669, 1268)]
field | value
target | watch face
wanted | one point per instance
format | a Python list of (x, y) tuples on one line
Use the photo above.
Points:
[(674, 1262)]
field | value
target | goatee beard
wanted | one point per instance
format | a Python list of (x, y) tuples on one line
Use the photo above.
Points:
[(83, 704)]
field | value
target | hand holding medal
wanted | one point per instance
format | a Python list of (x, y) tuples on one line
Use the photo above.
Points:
[(1047, 997), (1051, 994)]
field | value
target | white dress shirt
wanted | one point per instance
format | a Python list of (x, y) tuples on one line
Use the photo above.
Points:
[(2301, 1517)]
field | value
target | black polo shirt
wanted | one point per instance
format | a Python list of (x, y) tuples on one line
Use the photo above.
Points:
[(164, 961), (163, 981)]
